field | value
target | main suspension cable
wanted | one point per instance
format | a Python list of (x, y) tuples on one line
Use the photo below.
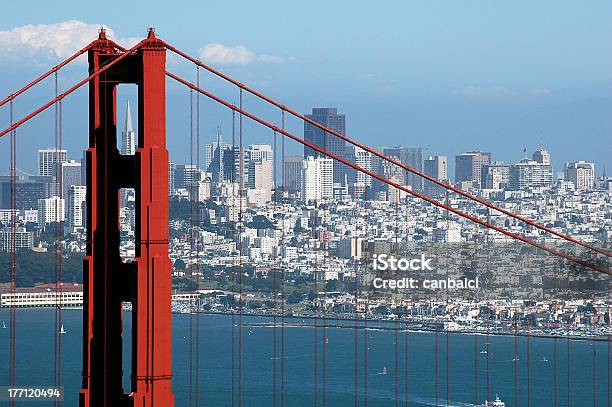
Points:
[(384, 157), (61, 96), (601, 269)]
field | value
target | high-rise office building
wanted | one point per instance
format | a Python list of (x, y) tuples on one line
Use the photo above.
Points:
[(28, 191), (330, 118), (317, 179), (214, 153), (187, 176), (468, 166), (436, 167), (581, 174), (292, 172), (171, 178), (530, 174), (232, 165), (71, 175), (410, 156), (128, 135), (48, 160), (495, 175), (76, 206)]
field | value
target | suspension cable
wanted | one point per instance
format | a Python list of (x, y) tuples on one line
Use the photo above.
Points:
[(515, 236), (45, 75), (386, 158)]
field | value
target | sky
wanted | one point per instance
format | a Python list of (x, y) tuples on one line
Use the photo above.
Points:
[(447, 76)]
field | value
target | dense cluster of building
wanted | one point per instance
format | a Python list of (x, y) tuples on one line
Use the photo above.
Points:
[(322, 215)]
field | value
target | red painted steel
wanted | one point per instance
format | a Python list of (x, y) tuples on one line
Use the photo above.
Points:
[(384, 157), (217, 99), (108, 281)]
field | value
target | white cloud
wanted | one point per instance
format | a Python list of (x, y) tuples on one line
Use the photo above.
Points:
[(53, 41), (239, 55), (540, 92), (479, 92)]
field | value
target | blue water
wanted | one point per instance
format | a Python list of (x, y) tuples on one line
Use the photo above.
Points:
[(35, 364)]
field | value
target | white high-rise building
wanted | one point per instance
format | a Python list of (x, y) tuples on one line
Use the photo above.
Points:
[(51, 210), (48, 160), (259, 174), (128, 136), (530, 174), (317, 179), (362, 181), (77, 195), (581, 174)]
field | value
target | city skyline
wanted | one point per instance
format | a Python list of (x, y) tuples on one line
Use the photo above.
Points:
[(449, 87)]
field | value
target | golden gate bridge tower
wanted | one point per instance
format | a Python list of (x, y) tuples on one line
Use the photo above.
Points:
[(108, 281)]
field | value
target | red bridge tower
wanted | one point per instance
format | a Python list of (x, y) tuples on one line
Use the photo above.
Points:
[(146, 282)]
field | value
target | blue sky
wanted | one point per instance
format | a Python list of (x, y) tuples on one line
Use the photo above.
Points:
[(448, 76)]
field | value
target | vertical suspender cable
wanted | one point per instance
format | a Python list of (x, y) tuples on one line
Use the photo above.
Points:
[(446, 332), (555, 370), (406, 348), (191, 241), (13, 248), (241, 304), (356, 305), (397, 251), (274, 271), (58, 175), (516, 389), (367, 306), (60, 319), (476, 336), (197, 244), (236, 236), (594, 372), (282, 265), (324, 235), (315, 321), (569, 356), (528, 362)]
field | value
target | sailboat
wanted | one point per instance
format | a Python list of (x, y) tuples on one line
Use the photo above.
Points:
[(3, 325), (62, 330), (384, 372)]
